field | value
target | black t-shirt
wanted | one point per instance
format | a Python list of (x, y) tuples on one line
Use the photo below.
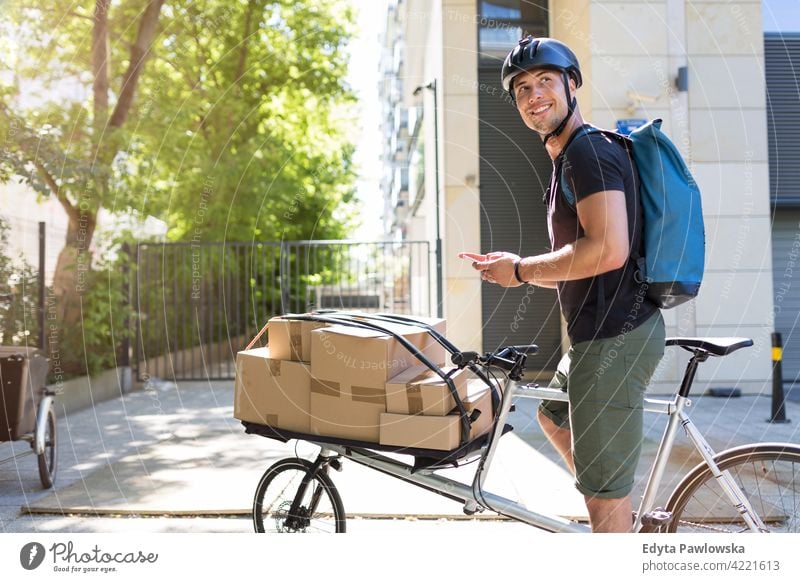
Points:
[(606, 305)]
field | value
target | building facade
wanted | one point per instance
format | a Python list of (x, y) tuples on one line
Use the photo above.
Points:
[(492, 171)]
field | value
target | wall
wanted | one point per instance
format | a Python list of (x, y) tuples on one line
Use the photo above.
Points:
[(633, 49)]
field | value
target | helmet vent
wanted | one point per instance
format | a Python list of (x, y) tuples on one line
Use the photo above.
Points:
[(534, 48)]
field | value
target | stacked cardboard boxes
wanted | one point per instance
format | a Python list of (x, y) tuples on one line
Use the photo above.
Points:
[(351, 366), (427, 430), (358, 384), (273, 384)]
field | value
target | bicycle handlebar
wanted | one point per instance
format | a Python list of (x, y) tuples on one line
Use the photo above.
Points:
[(507, 358)]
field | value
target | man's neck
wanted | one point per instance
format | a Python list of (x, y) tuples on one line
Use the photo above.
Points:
[(555, 145)]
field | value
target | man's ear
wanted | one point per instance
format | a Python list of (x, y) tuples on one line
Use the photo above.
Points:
[(573, 86)]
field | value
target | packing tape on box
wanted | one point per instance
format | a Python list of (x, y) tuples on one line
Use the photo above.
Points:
[(414, 394), (325, 388), (296, 340), (274, 367), (368, 395)]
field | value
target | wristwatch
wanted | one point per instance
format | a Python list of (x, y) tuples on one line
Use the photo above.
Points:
[(516, 272)]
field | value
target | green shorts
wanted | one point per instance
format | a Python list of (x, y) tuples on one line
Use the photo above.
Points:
[(605, 381)]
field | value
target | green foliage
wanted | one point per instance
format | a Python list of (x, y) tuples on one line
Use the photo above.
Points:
[(19, 324), (237, 130), (241, 122), (107, 318)]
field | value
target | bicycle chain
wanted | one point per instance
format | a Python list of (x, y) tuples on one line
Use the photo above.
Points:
[(703, 526)]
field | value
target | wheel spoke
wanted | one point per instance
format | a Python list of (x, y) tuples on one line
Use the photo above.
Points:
[(767, 476), (319, 509)]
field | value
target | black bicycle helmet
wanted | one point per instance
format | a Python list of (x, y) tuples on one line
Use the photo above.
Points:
[(540, 53), (543, 53)]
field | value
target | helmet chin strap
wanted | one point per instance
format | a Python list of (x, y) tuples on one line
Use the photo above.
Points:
[(570, 110)]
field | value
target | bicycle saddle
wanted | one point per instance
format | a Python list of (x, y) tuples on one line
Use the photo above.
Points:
[(715, 346)]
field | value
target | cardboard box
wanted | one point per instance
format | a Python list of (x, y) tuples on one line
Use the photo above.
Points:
[(291, 339), (364, 357), (347, 411), (419, 390), (438, 432), (433, 349), (271, 391), (441, 433)]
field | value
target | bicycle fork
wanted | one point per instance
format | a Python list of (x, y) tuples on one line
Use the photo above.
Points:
[(299, 517)]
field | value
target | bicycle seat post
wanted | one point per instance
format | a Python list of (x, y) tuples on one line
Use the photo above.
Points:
[(691, 369)]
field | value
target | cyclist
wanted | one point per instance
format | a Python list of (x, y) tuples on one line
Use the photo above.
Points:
[(616, 333)]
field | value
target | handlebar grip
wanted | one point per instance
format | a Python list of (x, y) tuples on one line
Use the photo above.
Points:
[(500, 362), (527, 350)]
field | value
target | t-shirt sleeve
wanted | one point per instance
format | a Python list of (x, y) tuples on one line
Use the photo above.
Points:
[(594, 164)]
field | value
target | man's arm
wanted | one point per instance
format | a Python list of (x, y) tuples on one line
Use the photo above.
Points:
[(604, 247)]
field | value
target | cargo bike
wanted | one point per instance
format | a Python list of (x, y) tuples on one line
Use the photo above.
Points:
[(28, 412), (750, 488)]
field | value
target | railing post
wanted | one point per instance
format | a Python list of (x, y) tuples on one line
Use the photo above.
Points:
[(125, 347), (42, 284), (284, 277)]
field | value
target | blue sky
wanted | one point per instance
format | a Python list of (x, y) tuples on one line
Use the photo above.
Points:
[(781, 15), (363, 77)]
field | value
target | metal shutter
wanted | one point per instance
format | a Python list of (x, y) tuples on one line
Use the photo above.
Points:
[(514, 174), (785, 267), (782, 66)]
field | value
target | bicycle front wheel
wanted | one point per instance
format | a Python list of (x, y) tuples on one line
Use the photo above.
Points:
[(289, 483), (769, 476)]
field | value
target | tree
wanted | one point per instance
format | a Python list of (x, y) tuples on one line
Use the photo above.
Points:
[(225, 118)]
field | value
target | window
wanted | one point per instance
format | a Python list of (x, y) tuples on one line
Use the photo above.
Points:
[(503, 22)]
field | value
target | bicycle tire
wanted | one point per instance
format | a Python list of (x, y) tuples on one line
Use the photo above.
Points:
[(768, 473), (49, 457), (277, 490)]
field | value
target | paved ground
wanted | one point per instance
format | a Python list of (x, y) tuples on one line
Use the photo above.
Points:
[(199, 413)]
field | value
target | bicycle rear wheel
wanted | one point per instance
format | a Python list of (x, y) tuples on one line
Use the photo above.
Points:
[(319, 507), (768, 474)]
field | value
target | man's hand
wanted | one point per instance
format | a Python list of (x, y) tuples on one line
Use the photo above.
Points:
[(494, 267)]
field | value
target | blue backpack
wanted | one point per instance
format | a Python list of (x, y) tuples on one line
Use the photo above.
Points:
[(673, 232)]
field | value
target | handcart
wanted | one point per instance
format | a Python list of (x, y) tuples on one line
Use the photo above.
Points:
[(27, 412)]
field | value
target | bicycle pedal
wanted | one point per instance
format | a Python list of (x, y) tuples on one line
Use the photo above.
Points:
[(657, 517)]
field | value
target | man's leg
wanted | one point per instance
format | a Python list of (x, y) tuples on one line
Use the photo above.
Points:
[(610, 515), (559, 437), (607, 383)]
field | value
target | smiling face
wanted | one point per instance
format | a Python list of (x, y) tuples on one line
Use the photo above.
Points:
[(541, 98)]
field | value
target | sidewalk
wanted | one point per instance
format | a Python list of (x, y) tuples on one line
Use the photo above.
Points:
[(137, 451)]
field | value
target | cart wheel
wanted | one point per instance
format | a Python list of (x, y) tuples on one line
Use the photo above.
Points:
[(48, 458)]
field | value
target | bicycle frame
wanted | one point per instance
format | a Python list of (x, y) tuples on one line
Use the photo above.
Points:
[(474, 497)]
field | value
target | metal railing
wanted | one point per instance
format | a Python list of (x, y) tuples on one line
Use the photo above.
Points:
[(200, 303)]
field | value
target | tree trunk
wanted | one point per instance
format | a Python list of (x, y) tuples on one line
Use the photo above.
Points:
[(73, 267)]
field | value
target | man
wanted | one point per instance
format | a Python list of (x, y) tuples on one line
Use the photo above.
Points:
[(616, 333)]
